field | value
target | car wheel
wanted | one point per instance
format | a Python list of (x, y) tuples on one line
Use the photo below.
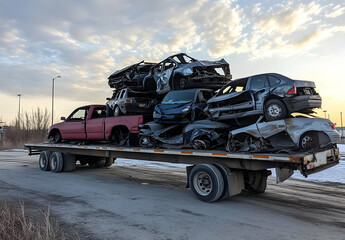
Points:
[(181, 84), (146, 142), (119, 137), (274, 110), (117, 111), (57, 137), (308, 141)]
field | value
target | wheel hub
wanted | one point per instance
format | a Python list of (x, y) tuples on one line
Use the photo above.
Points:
[(274, 110), (202, 183), (307, 142)]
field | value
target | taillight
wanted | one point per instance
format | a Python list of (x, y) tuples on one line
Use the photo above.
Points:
[(292, 90), (130, 100), (333, 126), (229, 135)]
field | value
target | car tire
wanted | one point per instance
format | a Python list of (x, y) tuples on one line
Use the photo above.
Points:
[(231, 147), (308, 141), (44, 161), (146, 142), (206, 182), (56, 162), (57, 137), (117, 111), (275, 109), (180, 83)]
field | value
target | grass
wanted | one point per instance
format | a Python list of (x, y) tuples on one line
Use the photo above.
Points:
[(17, 224)]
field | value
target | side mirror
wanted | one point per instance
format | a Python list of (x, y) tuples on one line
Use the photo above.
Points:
[(63, 118), (108, 98)]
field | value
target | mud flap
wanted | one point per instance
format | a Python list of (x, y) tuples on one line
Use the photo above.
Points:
[(282, 174), (68, 162)]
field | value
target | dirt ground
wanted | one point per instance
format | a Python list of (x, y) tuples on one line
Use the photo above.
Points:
[(146, 203)]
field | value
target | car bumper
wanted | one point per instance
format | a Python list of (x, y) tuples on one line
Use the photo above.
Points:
[(171, 119), (302, 103)]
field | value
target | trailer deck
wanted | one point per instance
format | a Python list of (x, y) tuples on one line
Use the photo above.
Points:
[(212, 175)]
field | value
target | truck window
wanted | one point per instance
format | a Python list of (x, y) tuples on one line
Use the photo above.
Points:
[(79, 115), (99, 113)]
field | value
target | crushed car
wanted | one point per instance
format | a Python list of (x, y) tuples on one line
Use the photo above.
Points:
[(202, 134), (128, 102), (181, 71), (272, 95), (291, 134), (182, 106), (131, 76)]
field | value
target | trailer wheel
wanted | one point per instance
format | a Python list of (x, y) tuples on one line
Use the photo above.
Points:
[(56, 162), (44, 161), (256, 181), (225, 171), (100, 163), (108, 162), (206, 182)]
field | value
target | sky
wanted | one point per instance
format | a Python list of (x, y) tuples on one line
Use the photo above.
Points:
[(84, 41)]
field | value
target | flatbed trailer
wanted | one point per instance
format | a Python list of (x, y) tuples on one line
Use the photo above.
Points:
[(212, 175)]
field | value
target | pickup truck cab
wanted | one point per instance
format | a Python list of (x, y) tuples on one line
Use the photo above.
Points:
[(90, 123)]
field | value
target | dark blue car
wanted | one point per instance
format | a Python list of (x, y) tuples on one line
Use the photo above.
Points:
[(182, 106)]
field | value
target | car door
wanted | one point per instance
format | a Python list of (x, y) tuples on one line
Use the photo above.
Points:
[(165, 75), (260, 89), (95, 124), (74, 127), (121, 101)]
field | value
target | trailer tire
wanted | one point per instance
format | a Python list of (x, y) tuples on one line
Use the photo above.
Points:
[(100, 163), (108, 162), (56, 162), (44, 161), (225, 171), (206, 182)]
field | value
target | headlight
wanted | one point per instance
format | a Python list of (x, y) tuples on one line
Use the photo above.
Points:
[(186, 109)]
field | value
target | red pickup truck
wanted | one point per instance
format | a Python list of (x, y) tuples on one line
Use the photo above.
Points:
[(90, 123)]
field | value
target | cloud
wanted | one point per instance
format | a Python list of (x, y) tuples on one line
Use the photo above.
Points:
[(86, 41)]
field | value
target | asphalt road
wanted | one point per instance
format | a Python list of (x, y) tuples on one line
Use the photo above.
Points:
[(146, 203)]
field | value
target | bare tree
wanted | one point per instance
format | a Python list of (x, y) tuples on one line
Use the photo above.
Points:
[(31, 127)]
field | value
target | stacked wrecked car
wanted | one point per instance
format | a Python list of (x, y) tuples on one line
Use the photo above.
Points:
[(196, 104)]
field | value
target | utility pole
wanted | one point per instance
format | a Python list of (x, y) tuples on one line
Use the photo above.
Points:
[(341, 122), (19, 95), (53, 98)]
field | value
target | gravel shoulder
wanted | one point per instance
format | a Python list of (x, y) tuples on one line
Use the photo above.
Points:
[(145, 203)]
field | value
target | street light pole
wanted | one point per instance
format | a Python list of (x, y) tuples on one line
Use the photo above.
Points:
[(19, 95), (341, 121), (53, 98)]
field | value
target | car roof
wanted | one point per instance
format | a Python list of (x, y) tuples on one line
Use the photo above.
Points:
[(273, 74)]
